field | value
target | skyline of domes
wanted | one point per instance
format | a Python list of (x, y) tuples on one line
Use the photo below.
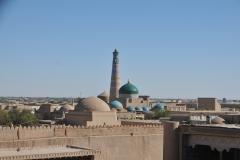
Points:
[(92, 104)]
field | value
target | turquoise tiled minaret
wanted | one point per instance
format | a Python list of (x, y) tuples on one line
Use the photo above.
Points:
[(115, 78)]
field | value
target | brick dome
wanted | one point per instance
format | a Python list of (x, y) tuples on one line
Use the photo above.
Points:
[(92, 104)]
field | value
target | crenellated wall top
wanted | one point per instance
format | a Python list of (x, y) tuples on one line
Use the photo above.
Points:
[(43, 127), (107, 126)]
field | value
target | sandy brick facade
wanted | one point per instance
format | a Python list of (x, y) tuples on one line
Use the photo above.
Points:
[(115, 142)]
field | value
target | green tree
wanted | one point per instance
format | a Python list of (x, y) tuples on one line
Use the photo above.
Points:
[(4, 118), (236, 107), (27, 118), (14, 115), (161, 113), (23, 117)]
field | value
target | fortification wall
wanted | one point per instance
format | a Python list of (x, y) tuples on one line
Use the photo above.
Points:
[(17, 133), (142, 122), (8, 133), (171, 141), (114, 142)]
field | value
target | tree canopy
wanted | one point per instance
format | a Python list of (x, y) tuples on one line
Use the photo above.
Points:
[(4, 118), (16, 116), (161, 113)]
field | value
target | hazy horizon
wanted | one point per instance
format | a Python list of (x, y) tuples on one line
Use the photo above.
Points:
[(177, 49)]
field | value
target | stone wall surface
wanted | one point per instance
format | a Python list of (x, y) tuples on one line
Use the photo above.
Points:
[(142, 122), (8, 133), (115, 142), (171, 141)]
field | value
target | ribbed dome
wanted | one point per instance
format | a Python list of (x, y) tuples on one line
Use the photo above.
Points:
[(130, 109), (158, 106), (92, 104), (66, 107), (145, 108), (128, 89), (104, 96), (138, 108)]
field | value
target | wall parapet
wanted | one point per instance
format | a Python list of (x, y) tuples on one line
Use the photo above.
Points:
[(17, 133)]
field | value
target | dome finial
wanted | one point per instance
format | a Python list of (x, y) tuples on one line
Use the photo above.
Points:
[(128, 80)]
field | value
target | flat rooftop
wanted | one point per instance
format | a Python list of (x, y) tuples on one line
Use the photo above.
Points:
[(205, 111), (143, 121), (46, 152), (232, 126)]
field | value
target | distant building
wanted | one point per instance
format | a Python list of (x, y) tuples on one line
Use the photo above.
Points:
[(198, 117), (128, 96), (208, 104), (50, 111), (171, 106)]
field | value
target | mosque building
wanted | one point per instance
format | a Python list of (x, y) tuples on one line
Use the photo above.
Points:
[(128, 94), (123, 102)]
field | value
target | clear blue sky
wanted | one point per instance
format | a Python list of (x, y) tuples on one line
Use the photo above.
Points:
[(168, 49)]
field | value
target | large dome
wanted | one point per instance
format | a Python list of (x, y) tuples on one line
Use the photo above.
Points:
[(128, 89), (92, 104)]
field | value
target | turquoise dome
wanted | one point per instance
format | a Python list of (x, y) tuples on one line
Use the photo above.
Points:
[(158, 106), (130, 109), (115, 104), (145, 108), (138, 108), (128, 89)]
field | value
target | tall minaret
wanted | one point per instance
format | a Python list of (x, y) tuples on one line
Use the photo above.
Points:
[(115, 79)]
